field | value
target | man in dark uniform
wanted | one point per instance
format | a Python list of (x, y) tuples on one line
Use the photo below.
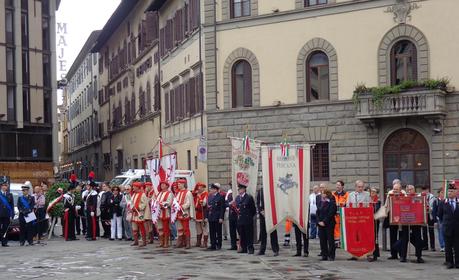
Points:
[(448, 212), (90, 211), (215, 215), (263, 233), (69, 214), (26, 205), (105, 213), (232, 219), (246, 210), (6, 212)]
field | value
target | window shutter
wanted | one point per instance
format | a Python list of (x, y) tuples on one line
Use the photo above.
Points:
[(172, 102), (157, 97), (192, 86), (182, 101), (167, 109), (162, 41), (186, 17), (187, 99), (200, 93), (148, 97), (133, 108), (247, 85), (150, 25)]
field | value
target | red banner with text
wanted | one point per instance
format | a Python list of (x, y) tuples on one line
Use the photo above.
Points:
[(357, 230), (408, 210)]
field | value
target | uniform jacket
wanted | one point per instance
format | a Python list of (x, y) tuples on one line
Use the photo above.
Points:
[(165, 199), (23, 210), (186, 202), (200, 204), (69, 202), (232, 213), (91, 199), (326, 211), (340, 198), (139, 205), (105, 206), (216, 207), (4, 212), (449, 218), (246, 209), (260, 201)]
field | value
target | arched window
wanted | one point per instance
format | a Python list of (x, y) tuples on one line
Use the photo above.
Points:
[(403, 58), (133, 111), (141, 102), (148, 97), (317, 77), (241, 76)]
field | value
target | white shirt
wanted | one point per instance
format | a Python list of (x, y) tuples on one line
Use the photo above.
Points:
[(313, 203), (358, 197)]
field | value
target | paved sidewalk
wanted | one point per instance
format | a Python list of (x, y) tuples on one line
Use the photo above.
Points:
[(105, 259)]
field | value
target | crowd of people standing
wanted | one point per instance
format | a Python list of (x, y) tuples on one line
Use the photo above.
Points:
[(141, 214)]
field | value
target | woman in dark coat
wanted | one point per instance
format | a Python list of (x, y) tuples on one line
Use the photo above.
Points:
[(116, 213), (326, 210), (376, 202)]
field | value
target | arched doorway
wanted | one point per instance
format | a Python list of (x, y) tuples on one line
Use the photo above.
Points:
[(406, 157)]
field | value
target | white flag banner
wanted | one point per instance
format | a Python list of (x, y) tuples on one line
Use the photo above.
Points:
[(169, 164), (153, 166), (286, 173), (244, 162)]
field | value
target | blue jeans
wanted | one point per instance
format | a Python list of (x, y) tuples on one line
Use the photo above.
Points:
[(441, 238), (313, 227), (173, 230)]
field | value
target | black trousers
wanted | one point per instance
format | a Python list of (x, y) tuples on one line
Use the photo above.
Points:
[(299, 237), (41, 222), (395, 245), (4, 223), (26, 230), (452, 244), (264, 237), (105, 220), (327, 241), (415, 239), (70, 226), (431, 234), (246, 236), (376, 251), (90, 228), (215, 233), (233, 232), (78, 225)]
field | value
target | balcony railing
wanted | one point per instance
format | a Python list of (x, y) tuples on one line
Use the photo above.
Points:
[(404, 104)]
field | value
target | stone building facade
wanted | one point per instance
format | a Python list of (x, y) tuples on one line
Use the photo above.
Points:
[(291, 68), (28, 112)]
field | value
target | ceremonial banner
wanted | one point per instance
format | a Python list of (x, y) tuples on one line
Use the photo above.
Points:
[(244, 162), (162, 169), (286, 174), (357, 230), (407, 210)]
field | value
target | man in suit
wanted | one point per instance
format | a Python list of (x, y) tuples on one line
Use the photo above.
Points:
[(215, 215), (26, 205), (263, 233), (448, 212), (232, 218), (6, 212), (245, 208), (69, 214)]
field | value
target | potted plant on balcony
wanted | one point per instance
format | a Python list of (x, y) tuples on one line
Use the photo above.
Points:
[(378, 93)]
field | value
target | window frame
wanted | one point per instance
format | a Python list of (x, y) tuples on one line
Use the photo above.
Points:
[(241, 2), (247, 97), (308, 4), (393, 62), (322, 163), (308, 77)]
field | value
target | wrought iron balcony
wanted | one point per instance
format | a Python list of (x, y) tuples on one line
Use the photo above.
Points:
[(411, 103)]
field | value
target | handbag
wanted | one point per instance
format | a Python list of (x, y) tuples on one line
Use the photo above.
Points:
[(381, 213)]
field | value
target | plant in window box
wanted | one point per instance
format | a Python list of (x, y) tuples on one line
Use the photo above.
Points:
[(378, 93)]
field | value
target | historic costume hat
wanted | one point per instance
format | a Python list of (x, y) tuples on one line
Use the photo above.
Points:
[(215, 186), (241, 186)]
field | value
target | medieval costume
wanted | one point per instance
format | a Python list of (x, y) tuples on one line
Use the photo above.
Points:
[(139, 205), (164, 202), (200, 204), (186, 202)]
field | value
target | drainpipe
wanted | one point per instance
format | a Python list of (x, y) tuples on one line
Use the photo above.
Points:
[(200, 70), (215, 54)]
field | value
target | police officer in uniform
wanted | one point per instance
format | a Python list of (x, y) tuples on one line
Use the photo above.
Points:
[(246, 210), (232, 219), (215, 215), (26, 205), (69, 214), (263, 233), (448, 212), (6, 211)]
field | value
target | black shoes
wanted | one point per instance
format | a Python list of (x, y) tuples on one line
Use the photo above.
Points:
[(276, 254), (449, 265), (232, 249), (403, 260), (298, 254), (352, 259), (420, 260), (392, 258), (251, 251), (261, 253), (5, 245)]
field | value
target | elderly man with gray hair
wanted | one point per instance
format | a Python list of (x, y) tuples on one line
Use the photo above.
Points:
[(359, 196)]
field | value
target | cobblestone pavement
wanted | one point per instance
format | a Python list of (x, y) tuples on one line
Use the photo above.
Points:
[(105, 259)]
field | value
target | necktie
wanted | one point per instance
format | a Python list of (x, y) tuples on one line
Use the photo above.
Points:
[(453, 204)]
